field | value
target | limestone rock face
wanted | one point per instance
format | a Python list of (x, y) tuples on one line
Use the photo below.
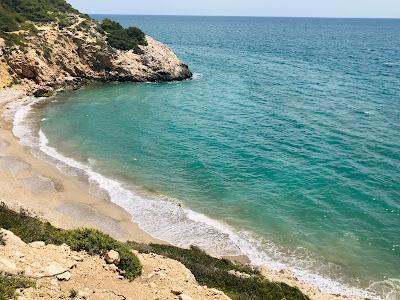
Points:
[(55, 56)]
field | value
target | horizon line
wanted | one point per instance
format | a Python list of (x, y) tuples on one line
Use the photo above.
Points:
[(244, 16)]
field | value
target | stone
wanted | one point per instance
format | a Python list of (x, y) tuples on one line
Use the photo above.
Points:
[(64, 276), (37, 244), (176, 291), (43, 92), (215, 291), (19, 254), (83, 294), (76, 258), (112, 257), (11, 238), (54, 269), (184, 297), (239, 274), (9, 267)]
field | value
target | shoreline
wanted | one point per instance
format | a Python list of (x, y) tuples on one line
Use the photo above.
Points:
[(58, 201)]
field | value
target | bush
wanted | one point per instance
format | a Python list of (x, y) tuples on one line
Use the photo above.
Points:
[(9, 284), (39, 10), (73, 293), (8, 20), (31, 229), (2, 241), (47, 53), (121, 38), (214, 273)]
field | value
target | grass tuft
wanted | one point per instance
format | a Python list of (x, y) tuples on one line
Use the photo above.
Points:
[(214, 273), (73, 293), (9, 285)]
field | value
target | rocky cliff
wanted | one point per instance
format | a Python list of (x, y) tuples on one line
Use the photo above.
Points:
[(49, 54)]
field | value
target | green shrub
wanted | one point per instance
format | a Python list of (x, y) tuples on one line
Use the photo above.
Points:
[(12, 39), (2, 241), (47, 53), (121, 38), (73, 293), (8, 20), (9, 285), (31, 229), (214, 273), (39, 10)]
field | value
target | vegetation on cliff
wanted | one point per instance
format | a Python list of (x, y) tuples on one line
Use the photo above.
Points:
[(123, 38), (237, 281), (31, 229), (14, 15)]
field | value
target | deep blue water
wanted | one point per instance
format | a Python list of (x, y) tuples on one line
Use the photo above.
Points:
[(289, 136)]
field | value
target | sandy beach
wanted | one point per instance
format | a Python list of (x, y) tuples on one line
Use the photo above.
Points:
[(30, 183)]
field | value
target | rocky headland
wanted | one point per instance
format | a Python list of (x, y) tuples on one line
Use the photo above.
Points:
[(73, 49)]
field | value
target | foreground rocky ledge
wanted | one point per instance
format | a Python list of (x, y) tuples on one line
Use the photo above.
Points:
[(60, 272)]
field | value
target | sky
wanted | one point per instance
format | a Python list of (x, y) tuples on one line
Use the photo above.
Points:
[(284, 8)]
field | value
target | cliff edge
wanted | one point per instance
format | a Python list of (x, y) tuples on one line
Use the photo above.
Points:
[(67, 47)]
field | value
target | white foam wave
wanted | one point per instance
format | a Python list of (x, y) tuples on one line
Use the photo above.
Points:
[(22, 128), (177, 225), (197, 76)]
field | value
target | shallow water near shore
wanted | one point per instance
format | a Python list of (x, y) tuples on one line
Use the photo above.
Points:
[(285, 147)]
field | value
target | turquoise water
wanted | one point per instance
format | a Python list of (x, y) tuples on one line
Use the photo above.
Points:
[(289, 137)]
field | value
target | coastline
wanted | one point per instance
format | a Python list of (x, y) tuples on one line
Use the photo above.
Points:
[(66, 202), (69, 204)]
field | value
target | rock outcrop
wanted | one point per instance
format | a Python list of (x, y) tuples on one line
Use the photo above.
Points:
[(59, 272), (54, 56)]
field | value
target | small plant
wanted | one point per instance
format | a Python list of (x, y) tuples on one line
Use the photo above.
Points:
[(73, 293), (9, 285), (47, 53)]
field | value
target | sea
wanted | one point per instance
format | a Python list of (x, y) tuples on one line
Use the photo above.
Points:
[(284, 147)]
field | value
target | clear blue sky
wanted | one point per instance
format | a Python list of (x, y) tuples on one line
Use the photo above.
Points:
[(299, 8)]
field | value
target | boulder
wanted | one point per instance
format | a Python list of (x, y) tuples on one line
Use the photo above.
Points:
[(43, 92), (11, 238), (9, 267), (64, 276), (38, 244), (112, 257), (54, 269), (184, 297), (176, 291)]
